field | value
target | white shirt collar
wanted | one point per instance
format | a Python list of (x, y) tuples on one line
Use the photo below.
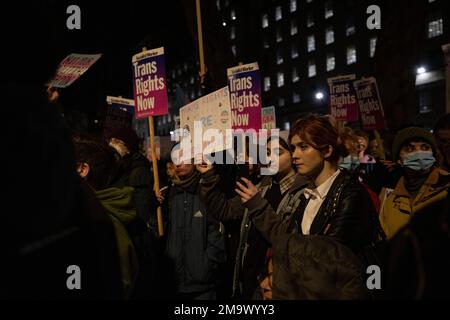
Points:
[(322, 190)]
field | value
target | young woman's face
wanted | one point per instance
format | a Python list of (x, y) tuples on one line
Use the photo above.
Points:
[(280, 155), (306, 158)]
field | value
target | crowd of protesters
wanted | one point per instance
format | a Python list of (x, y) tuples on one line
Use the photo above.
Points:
[(340, 201)]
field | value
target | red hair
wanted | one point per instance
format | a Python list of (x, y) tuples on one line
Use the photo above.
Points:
[(320, 132)]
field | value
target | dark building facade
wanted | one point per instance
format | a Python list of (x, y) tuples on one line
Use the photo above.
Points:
[(300, 43)]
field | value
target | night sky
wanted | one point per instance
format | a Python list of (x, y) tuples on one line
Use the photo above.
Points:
[(35, 38)]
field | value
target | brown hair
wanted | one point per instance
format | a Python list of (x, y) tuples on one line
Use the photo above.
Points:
[(321, 132)]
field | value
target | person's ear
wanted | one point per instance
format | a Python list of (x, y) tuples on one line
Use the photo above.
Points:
[(83, 169), (328, 152)]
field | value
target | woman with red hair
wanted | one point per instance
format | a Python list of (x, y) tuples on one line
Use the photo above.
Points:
[(315, 248)]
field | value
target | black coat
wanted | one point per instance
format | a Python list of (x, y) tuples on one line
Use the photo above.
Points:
[(316, 268), (347, 214), (346, 217)]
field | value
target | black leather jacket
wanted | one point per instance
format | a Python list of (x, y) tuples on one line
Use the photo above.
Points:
[(307, 266), (347, 215)]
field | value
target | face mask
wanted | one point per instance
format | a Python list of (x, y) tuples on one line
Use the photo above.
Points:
[(419, 160), (349, 163)]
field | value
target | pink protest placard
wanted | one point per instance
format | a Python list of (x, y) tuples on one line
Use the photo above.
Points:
[(343, 104), (244, 82), (71, 68), (149, 82)]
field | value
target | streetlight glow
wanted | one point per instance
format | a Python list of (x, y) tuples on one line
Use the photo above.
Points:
[(421, 70), (319, 95)]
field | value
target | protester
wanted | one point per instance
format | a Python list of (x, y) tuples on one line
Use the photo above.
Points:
[(334, 205), (362, 140), (422, 184), (195, 242), (278, 189), (95, 164), (419, 256), (376, 150), (135, 170)]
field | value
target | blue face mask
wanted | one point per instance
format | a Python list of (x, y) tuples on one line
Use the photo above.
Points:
[(349, 163), (419, 160)]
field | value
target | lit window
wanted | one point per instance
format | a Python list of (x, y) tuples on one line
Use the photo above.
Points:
[(294, 51), (265, 21), (279, 56), (266, 43), (329, 36), (280, 79), (295, 76), (294, 28), (192, 80), (373, 46), (310, 20), (279, 35), (350, 30), (281, 102), (311, 69), (331, 62), (233, 14), (311, 43), (295, 97), (218, 4), (278, 14), (351, 55), (233, 49), (328, 9), (233, 33), (266, 83), (424, 102), (435, 28), (293, 7)]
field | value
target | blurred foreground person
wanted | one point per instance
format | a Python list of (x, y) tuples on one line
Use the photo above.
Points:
[(57, 221)]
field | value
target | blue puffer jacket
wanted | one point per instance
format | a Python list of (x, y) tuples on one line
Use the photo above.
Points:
[(195, 242)]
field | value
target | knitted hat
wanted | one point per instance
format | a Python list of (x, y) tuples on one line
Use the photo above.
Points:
[(408, 134), (283, 139), (128, 136)]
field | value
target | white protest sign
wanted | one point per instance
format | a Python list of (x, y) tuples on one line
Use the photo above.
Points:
[(205, 118)]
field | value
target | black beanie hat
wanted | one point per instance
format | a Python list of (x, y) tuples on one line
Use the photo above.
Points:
[(128, 136)]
